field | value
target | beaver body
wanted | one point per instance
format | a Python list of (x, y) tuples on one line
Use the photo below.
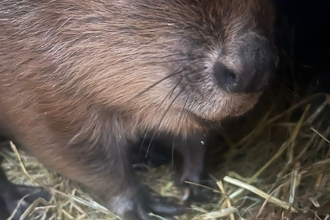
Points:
[(80, 79)]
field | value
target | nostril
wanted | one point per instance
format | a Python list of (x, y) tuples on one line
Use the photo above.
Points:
[(226, 78), (230, 77)]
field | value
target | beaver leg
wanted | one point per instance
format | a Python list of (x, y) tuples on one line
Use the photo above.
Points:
[(99, 160), (188, 156), (192, 151)]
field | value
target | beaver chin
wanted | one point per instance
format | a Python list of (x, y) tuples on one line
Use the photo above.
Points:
[(228, 105)]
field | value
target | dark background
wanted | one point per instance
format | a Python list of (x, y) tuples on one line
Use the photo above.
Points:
[(303, 31)]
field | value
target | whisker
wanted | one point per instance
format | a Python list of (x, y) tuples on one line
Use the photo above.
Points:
[(168, 95), (179, 121), (171, 61), (168, 76), (146, 132), (172, 90), (163, 116), (187, 110), (149, 145), (156, 83), (172, 154), (143, 140), (183, 110)]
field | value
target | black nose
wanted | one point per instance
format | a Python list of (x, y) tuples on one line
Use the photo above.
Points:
[(256, 65)]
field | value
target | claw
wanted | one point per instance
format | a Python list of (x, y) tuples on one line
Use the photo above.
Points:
[(144, 202), (163, 206), (186, 194), (199, 193)]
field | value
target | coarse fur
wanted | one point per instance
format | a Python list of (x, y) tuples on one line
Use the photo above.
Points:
[(79, 79)]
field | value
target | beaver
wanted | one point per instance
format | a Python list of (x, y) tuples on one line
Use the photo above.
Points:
[(82, 79)]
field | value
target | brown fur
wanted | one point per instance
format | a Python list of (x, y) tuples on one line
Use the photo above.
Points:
[(78, 79)]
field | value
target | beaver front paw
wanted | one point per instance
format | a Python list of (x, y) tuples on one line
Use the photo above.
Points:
[(146, 205)]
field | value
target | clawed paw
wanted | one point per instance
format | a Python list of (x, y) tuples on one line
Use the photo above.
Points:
[(199, 193), (149, 205)]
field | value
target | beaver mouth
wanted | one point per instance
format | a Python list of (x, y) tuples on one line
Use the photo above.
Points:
[(227, 105)]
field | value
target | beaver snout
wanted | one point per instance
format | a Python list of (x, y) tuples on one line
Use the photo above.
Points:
[(248, 68)]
